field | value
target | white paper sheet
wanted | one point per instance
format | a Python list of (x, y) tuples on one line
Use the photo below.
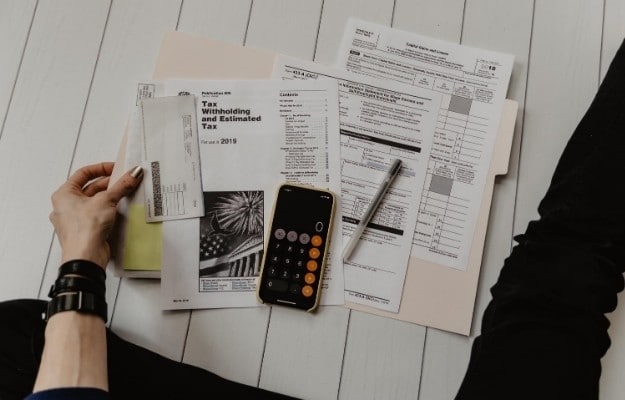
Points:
[(379, 121), (473, 83), (254, 135), (171, 159)]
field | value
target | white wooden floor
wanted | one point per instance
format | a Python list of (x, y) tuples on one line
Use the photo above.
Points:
[(67, 74)]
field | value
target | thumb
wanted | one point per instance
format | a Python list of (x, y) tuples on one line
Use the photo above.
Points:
[(125, 185)]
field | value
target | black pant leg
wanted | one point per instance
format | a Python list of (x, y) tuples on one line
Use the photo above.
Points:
[(544, 332), (134, 372), (21, 341), (587, 192)]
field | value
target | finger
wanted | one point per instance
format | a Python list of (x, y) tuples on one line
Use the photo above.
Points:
[(96, 186), (83, 175), (125, 185)]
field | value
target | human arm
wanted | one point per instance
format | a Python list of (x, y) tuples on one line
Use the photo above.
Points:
[(83, 215)]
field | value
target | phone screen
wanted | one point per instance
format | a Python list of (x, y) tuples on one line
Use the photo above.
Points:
[(296, 248)]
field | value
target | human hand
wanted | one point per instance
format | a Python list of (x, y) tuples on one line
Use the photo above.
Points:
[(83, 211)]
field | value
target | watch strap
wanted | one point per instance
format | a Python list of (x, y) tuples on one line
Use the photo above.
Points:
[(83, 302), (77, 284), (84, 268)]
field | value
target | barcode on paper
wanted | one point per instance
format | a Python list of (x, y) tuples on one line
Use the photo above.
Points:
[(156, 188)]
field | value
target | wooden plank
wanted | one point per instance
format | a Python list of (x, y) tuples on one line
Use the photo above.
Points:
[(613, 31), (443, 21), (40, 132), (304, 352), (359, 377), (286, 26), (138, 319), (504, 27), (334, 17), (382, 358), (612, 385), (216, 19), (565, 59), (291, 28), (203, 18), (15, 19), (440, 350), (228, 342), (129, 50), (438, 19), (444, 364)]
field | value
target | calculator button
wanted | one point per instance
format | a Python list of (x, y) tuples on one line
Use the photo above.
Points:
[(279, 233), (316, 240), (301, 251), (307, 291), (274, 259), (304, 238), (287, 262), (312, 265), (314, 252), (290, 248), (299, 263), (277, 246), (294, 288), (277, 285), (297, 276), (284, 274), (291, 236), (272, 271), (319, 226), (310, 278)]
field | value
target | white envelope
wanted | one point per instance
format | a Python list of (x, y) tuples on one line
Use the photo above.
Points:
[(173, 184)]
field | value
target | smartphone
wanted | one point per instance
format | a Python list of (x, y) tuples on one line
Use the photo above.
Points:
[(295, 254)]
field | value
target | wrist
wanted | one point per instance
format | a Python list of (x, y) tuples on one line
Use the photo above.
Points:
[(85, 245), (85, 254)]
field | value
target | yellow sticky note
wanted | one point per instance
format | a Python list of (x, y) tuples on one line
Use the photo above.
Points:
[(144, 242)]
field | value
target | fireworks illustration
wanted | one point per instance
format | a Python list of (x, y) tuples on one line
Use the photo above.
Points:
[(240, 213)]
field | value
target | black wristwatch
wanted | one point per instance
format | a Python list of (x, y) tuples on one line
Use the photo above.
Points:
[(83, 302)]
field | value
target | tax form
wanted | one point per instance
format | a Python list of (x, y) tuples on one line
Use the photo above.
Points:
[(473, 84), (379, 122), (254, 135)]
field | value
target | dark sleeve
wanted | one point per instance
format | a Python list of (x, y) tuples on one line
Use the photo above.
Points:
[(70, 394)]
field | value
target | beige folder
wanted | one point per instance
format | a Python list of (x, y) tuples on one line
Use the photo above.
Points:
[(443, 297), (434, 295)]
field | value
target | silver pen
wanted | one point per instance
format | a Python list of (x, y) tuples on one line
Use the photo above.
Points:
[(360, 228)]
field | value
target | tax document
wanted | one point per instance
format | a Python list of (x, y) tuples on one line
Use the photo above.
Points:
[(473, 84), (253, 135), (379, 122)]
